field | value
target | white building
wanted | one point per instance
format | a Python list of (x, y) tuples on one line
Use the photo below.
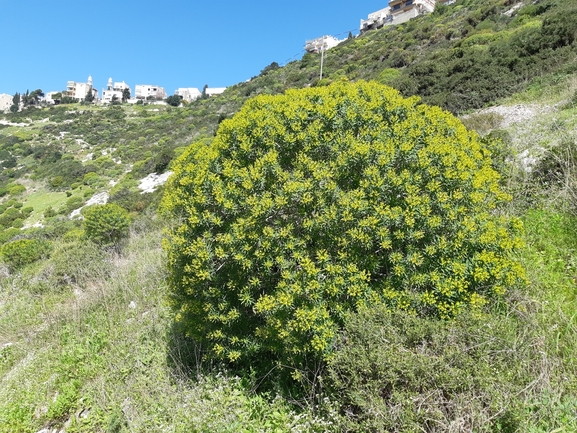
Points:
[(321, 44), (148, 91), (398, 12), (188, 94), (376, 20), (113, 90), (213, 91), (5, 102), (78, 90), (49, 97)]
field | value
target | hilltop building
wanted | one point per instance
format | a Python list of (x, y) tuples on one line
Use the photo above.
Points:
[(49, 98), (321, 44), (79, 90), (113, 92), (398, 12), (5, 102), (213, 91), (188, 94), (148, 91)]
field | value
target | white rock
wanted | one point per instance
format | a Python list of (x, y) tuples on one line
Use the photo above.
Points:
[(150, 182), (100, 198)]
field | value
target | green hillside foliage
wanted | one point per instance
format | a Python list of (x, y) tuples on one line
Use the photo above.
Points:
[(461, 57)]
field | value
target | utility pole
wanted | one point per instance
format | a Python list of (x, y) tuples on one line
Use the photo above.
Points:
[(322, 56)]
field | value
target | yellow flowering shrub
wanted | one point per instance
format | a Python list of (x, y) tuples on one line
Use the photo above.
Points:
[(319, 201)]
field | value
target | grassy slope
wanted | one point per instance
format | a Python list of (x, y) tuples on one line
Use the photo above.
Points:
[(95, 350)]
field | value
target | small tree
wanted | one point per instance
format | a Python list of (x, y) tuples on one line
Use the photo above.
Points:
[(36, 95), (106, 224), (272, 67), (125, 94), (174, 100), (26, 99), (89, 96)]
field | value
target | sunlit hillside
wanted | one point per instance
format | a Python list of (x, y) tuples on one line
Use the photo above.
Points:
[(88, 340)]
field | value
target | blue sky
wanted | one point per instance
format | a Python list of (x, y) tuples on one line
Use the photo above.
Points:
[(170, 43)]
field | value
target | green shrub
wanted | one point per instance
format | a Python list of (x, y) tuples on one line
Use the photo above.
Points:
[(18, 223), (9, 234), (49, 212), (9, 216), (22, 252), (76, 262), (90, 178), (16, 189), (317, 202), (56, 181), (74, 202), (106, 224), (398, 373)]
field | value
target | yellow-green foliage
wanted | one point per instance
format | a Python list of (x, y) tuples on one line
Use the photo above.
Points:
[(322, 200), (22, 252), (106, 224)]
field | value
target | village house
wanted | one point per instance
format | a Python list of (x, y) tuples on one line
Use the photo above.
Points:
[(113, 91), (188, 94), (148, 91), (321, 44), (49, 98), (79, 90), (398, 12), (213, 91), (5, 102)]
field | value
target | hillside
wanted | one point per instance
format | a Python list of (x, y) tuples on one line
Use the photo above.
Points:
[(88, 342)]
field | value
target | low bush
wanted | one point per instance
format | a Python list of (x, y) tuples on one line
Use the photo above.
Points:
[(22, 252), (75, 263), (396, 372), (106, 224)]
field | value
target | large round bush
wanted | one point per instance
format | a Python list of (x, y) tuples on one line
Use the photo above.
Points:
[(319, 201)]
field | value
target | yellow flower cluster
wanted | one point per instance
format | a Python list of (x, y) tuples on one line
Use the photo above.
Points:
[(313, 203)]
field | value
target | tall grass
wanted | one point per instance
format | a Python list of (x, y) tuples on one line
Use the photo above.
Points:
[(93, 351)]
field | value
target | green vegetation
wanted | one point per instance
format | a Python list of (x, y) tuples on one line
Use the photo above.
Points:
[(312, 204), (106, 224), (19, 253), (88, 342)]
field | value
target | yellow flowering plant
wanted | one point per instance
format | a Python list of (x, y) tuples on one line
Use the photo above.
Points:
[(322, 200)]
